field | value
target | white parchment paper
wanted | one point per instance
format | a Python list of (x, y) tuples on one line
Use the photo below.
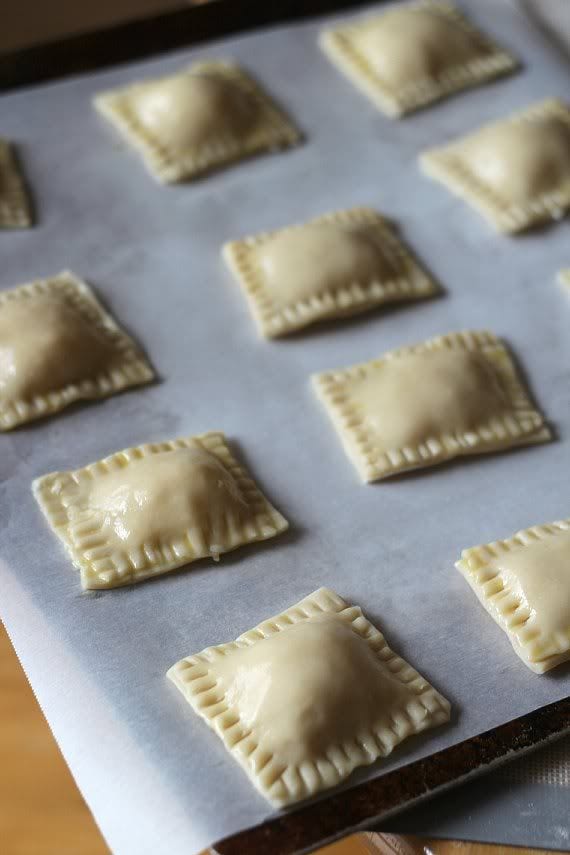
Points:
[(157, 780)]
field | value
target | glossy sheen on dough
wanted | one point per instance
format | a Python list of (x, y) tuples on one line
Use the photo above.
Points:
[(414, 54), (336, 265), (414, 407), (153, 508), (202, 118), (524, 584), (307, 696), (15, 209), (57, 346), (515, 172)]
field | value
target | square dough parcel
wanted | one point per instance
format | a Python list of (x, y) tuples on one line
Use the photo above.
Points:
[(304, 698), (524, 584), (149, 509), (333, 266), (515, 172), (416, 406), (15, 208), (414, 54), (202, 118), (59, 345)]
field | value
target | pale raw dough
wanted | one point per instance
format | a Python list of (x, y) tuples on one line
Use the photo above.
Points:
[(417, 406), (57, 346), (153, 508), (415, 54), (336, 265), (520, 164), (425, 394), (299, 264), (307, 696), (202, 118), (187, 490), (15, 208), (516, 172), (191, 109), (410, 44), (524, 583), (48, 344)]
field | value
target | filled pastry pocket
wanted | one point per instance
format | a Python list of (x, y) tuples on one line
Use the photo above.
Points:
[(304, 698), (57, 346), (524, 584), (336, 265), (15, 208), (202, 118), (417, 406), (516, 172), (152, 508), (414, 54)]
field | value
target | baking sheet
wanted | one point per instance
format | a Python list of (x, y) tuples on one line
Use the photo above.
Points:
[(157, 780)]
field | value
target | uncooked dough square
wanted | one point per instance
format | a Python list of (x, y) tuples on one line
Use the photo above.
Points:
[(205, 117), (304, 698), (15, 208), (417, 406), (524, 584), (515, 172), (149, 509), (414, 54), (58, 345), (333, 266)]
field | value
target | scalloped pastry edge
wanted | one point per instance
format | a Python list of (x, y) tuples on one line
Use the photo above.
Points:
[(99, 566), (501, 602), (356, 297), (15, 207), (446, 165), (274, 779), (337, 43), (274, 130), (134, 370), (525, 425)]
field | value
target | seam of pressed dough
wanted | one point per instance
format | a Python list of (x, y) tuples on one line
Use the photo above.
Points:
[(283, 784), (103, 567), (273, 128), (273, 321), (451, 168), (134, 369), (503, 603), (14, 202), (340, 47), (523, 425)]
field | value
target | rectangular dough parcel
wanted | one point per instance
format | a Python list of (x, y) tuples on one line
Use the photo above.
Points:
[(304, 698), (417, 406), (206, 116), (147, 510), (414, 54), (15, 208), (333, 266), (524, 584), (515, 172), (59, 345)]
